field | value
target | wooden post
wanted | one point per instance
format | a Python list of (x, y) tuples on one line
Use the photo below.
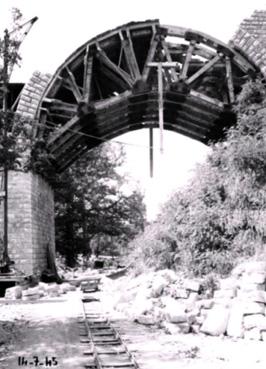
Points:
[(160, 66), (151, 151)]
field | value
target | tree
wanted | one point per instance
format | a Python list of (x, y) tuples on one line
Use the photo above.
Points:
[(9, 127), (219, 217), (90, 202)]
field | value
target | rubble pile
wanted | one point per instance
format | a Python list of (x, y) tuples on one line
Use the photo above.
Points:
[(236, 307), (42, 290)]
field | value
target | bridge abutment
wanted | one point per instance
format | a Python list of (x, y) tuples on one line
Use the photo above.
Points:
[(30, 221)]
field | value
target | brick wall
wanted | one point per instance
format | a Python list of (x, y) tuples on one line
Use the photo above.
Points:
[(250, 39), (31, 221), (32, 93)]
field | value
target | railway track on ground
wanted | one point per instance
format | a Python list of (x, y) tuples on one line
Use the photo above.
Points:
[(103, 344)]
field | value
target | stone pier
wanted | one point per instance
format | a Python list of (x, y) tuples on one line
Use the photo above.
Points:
[(30, 221)]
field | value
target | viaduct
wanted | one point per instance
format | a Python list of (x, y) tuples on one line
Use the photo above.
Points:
[(107, 88)]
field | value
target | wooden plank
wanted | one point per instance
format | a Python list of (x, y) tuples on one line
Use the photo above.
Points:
[(174, 30), (207, 99), (121, 83), (160, 103), (131, 58), (151, 150), (169, 59), (62, 130), (103, 58), (61, 106), (229, 79), (183, 74), (87, 79), (203, 69), (107, 103), (150, 56), (73, 84)]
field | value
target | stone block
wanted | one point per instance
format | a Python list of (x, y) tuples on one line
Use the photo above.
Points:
[(254, 277), (191, 285), (13, 293), (254, 321), (205, 303), (235, 327), (228, 284), (252, 296), (253, 334), (216, 322), (251, 308), (158, 286), (193, 297), (146, 320), (263, 336), (225, 294), (31, 291), (249, 267), (178, 293), (195, 328), (176, 328), (249, 287), (176, 314), (31, 297)]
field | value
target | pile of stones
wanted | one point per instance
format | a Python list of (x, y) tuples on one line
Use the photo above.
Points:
[(42, 290), (236, 307)]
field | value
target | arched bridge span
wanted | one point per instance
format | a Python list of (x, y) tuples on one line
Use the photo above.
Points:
[(107, 87)]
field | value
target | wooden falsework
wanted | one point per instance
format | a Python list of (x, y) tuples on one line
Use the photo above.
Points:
[(229, 79), (150, 56), (190, 50), (169, 59), (103, 58), (131, 57), (160, 103), (110, 74), (73, 84), (202, 70), (69, 125), (88, 64)]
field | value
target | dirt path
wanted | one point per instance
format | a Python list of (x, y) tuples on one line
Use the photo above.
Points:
[(50, 329), (46, 329)]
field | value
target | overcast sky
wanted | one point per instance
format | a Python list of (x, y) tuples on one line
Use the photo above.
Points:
[(64, 25)]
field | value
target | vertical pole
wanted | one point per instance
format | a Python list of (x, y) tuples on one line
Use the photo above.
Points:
[(5, 123), (160, 102), (151, 151)]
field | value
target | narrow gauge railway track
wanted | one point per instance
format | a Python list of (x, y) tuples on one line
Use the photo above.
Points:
[(104, 346)]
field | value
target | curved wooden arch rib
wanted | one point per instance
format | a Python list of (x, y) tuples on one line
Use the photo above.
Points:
[(199, 58)]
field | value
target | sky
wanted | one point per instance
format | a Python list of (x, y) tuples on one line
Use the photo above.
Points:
[(64, 25)]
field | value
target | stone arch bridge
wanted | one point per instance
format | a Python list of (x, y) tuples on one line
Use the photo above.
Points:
[(109, 86)]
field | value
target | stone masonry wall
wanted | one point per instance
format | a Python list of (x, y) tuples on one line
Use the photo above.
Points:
[(250, 39), (43, 229), (31, 221), (32, 93)]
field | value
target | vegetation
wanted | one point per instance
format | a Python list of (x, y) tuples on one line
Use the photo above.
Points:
[(220, 216), (92, 209)]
